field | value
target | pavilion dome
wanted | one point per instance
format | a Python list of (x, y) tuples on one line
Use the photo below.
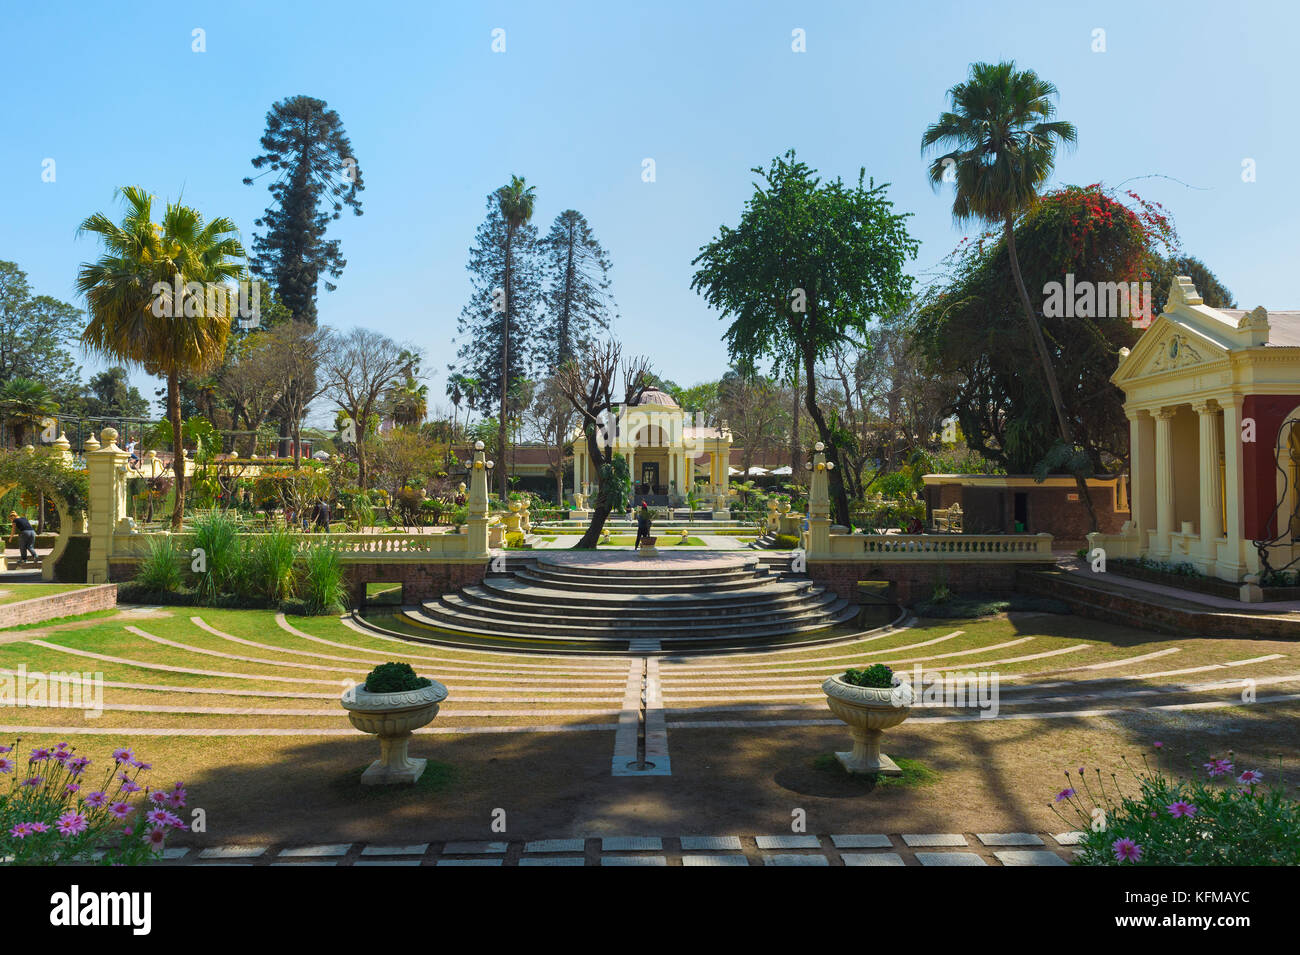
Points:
[(653, 396)]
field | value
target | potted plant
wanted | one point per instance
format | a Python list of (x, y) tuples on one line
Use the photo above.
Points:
[(391, 704), (870, 700)]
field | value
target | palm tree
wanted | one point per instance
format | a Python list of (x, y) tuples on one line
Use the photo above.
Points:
[(1001, 140), (516, 203), (135, 280), (23, 403)]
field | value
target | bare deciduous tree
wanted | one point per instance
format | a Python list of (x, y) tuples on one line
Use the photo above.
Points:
[(358, 368), (588, 383)]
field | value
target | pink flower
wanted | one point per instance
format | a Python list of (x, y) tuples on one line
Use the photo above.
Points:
[(158, 797), (21, 831), (71, 823), (155, 838), (39, 755), (1181, 809), (6, 749), (77, 766), (62, 755), (72, 788), (176, 800), (1126, 850), (6, 765), (1249, 777), (97, 800), (123, 755), (157, 817), (1218, 767), (38, 827), (119, 810), (1158, 745), (130, 787), (33, 781), (143, 767)]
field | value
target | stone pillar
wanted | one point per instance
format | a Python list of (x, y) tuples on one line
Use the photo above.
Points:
[(107, 502), (1141, 472), (1164, 481), (478, 504), (1211, 490), (1233, 563), (819, 506)]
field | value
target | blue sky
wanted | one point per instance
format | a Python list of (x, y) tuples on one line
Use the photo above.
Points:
[(586, 91)]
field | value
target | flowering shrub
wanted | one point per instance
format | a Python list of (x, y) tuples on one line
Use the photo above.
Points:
[(52, 815), (1174, 821)]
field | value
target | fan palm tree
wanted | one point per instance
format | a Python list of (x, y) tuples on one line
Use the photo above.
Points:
[(516, 202), (1001, 141), (136, 278), (23, 403)]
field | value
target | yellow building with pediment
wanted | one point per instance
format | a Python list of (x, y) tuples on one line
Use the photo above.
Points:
[(665, 450), (1212, 398)]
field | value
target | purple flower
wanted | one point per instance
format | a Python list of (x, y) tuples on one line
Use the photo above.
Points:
[(97, 800), (123, 755), (33, 781), (1158, 745), (119, 810), (39, 755), (155, 838), (21, 831), (130, 787), (1218, 767), (1063, 795), (1181, 809), (6, 765), (1126, 850), (1249, 777), (72, 823)]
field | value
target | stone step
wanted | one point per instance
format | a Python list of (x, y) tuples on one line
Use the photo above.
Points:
[(524, 616), (746, 565), (522, 588), (742, 637), (668, 584), (533, 600)]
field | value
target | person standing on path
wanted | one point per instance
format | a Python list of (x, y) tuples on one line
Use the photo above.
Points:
[(642, 526), (26, 535)]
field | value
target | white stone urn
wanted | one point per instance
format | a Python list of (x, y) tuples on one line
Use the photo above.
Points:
[(868, 711), (393, 717)]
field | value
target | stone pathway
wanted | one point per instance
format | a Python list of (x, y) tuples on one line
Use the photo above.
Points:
[(792, 849)]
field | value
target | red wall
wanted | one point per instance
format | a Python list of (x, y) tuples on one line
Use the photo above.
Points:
[(1259, 462)]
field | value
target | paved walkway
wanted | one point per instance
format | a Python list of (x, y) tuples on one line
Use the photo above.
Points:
[(848, 849), (1209, 601)]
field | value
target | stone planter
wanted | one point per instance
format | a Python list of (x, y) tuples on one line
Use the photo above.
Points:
[(647, 548), (868, 711), (393, 717)]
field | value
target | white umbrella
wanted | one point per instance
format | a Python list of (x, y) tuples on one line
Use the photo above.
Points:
[(756, 471), (784, 471), (732, 472)]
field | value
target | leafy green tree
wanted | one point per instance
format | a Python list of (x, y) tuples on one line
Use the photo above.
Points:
[(516, 200), (577, 302), (23, 403), (971, 329), (810, 264), (110, 394), (1163, 270), (315, 175), (36, 333), (1001, 143), (141, 261)]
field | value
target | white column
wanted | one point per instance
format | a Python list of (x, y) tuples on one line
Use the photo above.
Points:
[(1211, 490), (1233, 566), (1139, 468), (1164, 480)]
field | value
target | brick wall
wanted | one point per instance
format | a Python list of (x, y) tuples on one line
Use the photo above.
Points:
[(1048, 510), (84, 600), (914, 582), (420, 581)]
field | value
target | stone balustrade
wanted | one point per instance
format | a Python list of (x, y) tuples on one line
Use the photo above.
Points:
[(941, 547)]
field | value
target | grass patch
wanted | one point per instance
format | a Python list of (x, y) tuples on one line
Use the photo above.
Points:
[(438, 778), (974, 606), (915, 773), (12, 593)]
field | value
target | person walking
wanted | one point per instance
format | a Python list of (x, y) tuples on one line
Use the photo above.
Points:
[(321, 514), (642, 526), (26, 535)]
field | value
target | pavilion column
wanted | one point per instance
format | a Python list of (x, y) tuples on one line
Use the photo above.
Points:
[(1140, 472), (1164, 479), (1211, 489), (1234, 502)]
